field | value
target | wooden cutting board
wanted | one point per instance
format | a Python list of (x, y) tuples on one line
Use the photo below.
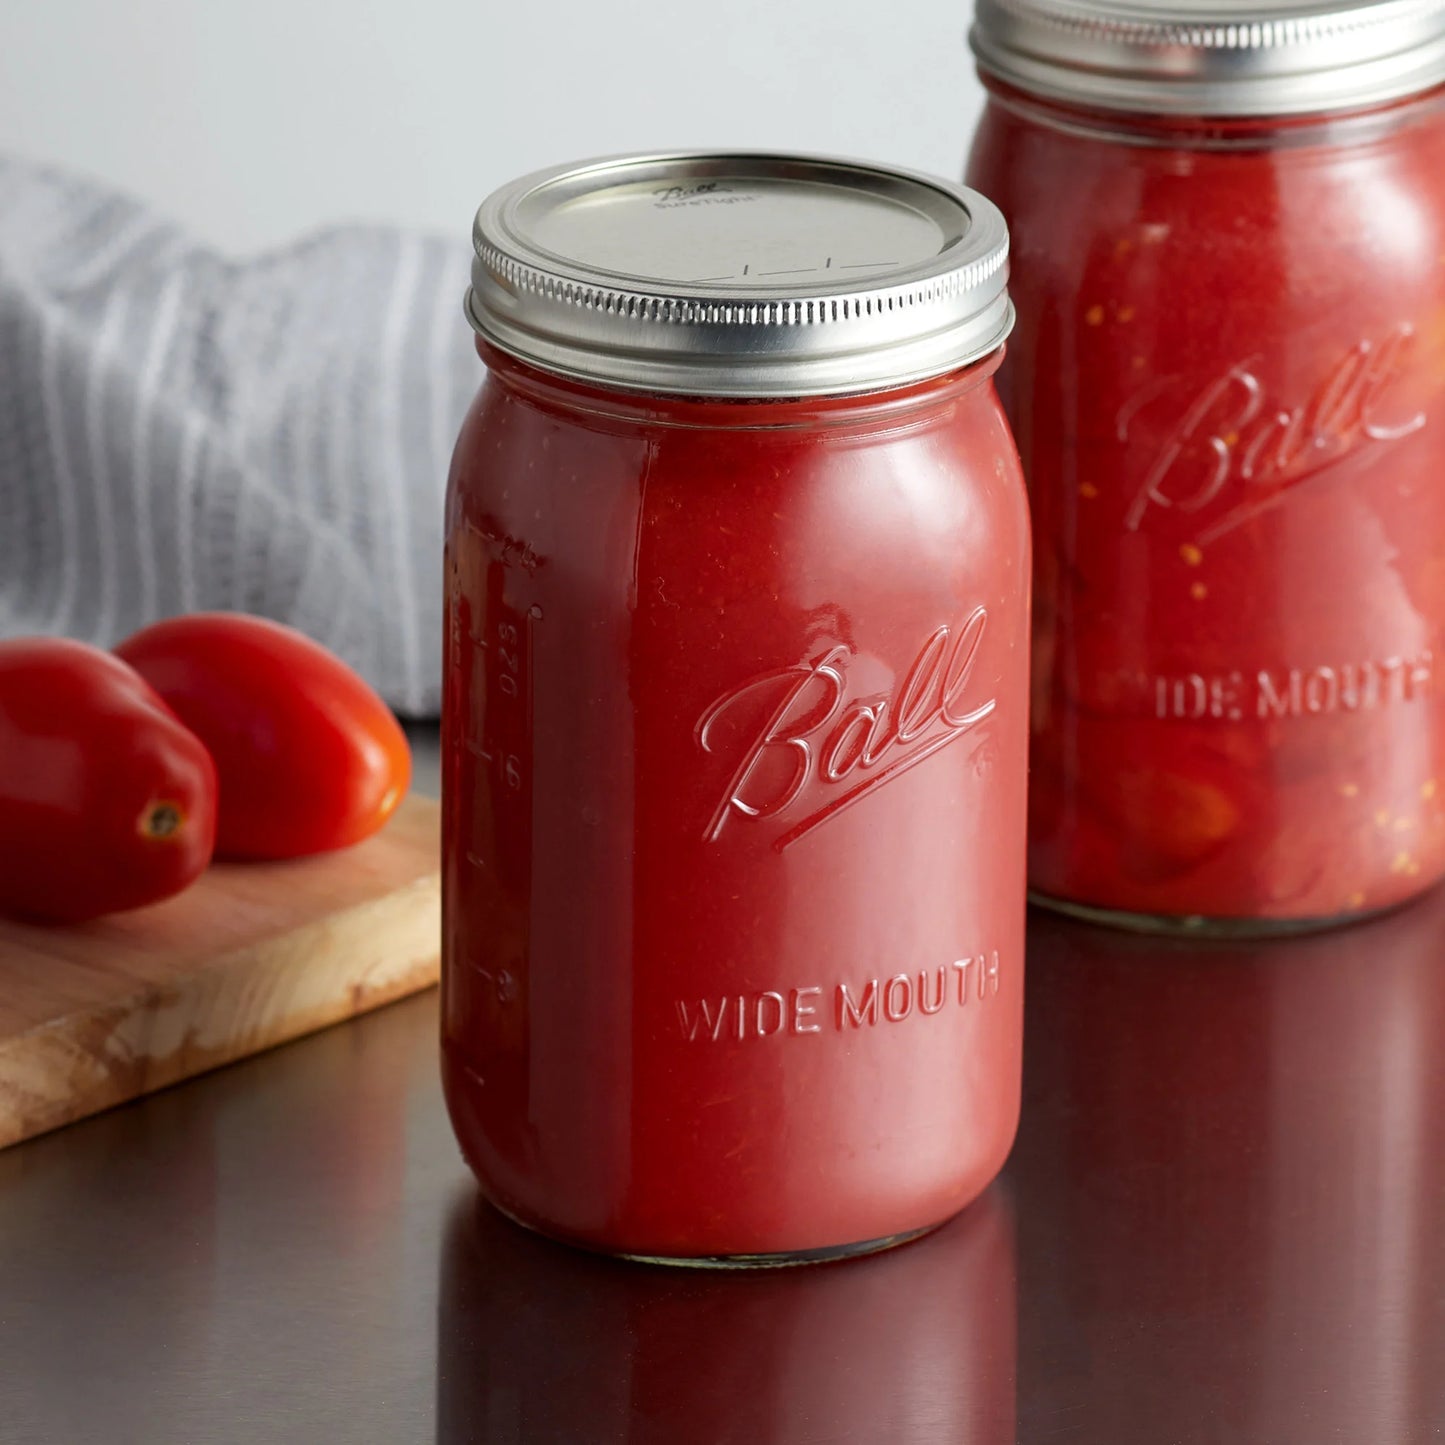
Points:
[(253, 955)]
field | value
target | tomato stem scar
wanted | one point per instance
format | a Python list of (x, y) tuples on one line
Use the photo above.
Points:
[(162, 820)]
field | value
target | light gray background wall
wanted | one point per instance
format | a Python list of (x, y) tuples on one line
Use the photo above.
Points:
[(253, 120)]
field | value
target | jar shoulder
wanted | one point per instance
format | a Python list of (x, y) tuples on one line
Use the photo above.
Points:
[(1350, 208), (951, 471)]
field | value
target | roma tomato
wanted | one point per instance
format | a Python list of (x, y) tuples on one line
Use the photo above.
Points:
[(308, 756), (106, 801)]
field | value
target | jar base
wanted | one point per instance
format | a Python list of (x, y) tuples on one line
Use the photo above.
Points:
[(786, 1259), (1199, 926)]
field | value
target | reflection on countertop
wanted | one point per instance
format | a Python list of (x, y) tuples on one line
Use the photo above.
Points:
[(540, 1343), (1231, 1186), (1224, 1221)]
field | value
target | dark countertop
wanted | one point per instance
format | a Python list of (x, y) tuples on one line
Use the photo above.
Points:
[(1224, 1221)]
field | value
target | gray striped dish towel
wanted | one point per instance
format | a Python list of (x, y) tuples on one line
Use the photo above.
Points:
[(183, 432)]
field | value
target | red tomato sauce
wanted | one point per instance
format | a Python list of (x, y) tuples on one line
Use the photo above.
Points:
[(1228, 388), (735, 795)]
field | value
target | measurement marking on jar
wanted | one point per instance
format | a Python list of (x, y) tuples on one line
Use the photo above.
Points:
[(498, 638), (500, 715), (1294, 692), (844, 1007), (509, 551)]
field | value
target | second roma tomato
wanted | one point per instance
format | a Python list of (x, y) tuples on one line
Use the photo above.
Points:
[(308, 757)]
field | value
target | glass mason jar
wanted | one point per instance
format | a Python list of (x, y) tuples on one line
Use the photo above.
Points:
[(734, 735), (1228, 387)]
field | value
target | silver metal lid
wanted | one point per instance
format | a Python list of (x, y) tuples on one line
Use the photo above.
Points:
[(1214, 57), (713, 274)]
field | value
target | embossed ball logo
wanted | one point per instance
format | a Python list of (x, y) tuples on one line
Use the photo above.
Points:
[(819, 749), (1228, 451)]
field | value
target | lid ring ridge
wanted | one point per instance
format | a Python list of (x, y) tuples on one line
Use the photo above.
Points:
[(1211, 59)]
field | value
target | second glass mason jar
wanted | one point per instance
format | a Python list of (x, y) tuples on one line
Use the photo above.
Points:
[(1228, 386), (735, 724)]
